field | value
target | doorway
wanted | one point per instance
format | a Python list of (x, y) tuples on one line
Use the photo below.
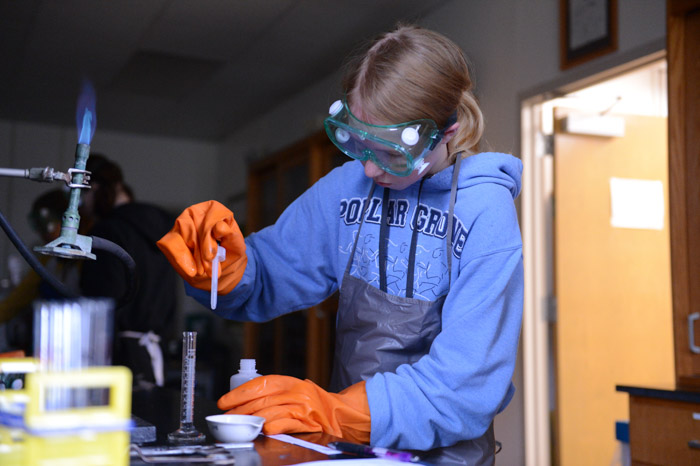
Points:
[(597, 272)]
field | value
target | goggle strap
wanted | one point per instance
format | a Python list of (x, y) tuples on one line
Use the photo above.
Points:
[(441, 134)]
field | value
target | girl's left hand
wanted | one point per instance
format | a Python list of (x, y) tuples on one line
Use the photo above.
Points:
[(291, 405)]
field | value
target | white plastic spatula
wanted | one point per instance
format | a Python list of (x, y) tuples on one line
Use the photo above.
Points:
[(220, 256)]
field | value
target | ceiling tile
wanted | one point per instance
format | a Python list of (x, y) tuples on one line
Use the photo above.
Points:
[(161, 75), (197, 69)]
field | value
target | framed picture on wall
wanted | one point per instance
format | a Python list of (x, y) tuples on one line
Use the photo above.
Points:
[(588, 29)]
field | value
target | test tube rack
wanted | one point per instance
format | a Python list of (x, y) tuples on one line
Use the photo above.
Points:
[(32, 434)]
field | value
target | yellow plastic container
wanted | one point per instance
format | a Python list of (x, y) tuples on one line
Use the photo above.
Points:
[(16, 367), (87, 435)]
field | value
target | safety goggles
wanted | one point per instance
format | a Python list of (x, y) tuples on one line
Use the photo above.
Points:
[(397, 149)]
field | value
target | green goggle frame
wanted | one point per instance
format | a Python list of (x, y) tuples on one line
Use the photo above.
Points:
[(397, 149)]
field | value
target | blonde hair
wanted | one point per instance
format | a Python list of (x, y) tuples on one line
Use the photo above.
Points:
[(412, 73)]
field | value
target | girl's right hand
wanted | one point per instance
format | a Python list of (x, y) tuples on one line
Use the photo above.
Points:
[(191, 246)]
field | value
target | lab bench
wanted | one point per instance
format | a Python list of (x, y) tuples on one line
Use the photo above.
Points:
[(161, 408), (664, 425)]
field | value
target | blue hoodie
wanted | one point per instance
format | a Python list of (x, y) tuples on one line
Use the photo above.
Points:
[(453, 392)]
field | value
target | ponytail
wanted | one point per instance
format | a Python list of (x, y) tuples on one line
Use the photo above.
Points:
[(471, 125)]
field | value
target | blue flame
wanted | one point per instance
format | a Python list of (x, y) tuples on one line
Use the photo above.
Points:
[(85, 116)]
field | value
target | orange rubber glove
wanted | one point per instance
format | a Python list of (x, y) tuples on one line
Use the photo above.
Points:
[(291, 405), (191, 246)]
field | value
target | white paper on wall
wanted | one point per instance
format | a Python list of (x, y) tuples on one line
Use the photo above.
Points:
[(637, 203)]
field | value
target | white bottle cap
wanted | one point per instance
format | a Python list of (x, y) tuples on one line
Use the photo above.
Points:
[(335, 107), (247, 365), (410, 136)]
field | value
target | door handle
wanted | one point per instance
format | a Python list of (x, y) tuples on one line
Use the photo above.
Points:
[(694, 444), (691, 329)]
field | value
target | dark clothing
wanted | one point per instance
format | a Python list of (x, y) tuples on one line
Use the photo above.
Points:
[(135, 227)]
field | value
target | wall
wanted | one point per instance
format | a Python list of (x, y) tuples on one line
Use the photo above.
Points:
[(293, 119), (514, 48), (169, 172)]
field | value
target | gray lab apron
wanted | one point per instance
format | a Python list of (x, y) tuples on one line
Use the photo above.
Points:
[(377, 332)]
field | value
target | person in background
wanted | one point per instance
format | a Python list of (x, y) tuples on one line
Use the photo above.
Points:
[(45, 219), (140, 325), (420, 235)]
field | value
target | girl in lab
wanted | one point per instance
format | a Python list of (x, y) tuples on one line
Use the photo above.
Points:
[(419, 233)]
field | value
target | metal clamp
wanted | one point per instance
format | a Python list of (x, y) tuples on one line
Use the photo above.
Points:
[(189, 454), (84, 182), (691, 332)]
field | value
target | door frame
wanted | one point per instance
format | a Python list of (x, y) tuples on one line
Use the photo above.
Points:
[(537, 228)]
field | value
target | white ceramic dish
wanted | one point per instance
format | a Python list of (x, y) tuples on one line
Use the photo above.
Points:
[(235, 428)]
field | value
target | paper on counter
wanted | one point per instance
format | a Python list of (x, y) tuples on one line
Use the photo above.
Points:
[(236, 446), (303, 443), (637, 203), (363, 461)]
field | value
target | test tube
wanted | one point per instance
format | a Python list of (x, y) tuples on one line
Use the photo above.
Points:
[(70, 335), (187, 434)]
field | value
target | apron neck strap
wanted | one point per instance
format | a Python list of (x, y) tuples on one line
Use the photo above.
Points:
[(383, 239), (362, 221), (450, 217), (414, 243)]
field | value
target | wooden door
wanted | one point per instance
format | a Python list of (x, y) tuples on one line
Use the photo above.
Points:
[(612, 285), (683, 19), (298, 344)]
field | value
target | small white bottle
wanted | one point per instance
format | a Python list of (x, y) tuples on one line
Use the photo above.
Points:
[(245, 373)]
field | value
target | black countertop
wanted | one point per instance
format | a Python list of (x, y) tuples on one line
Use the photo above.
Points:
[(665, 392)]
